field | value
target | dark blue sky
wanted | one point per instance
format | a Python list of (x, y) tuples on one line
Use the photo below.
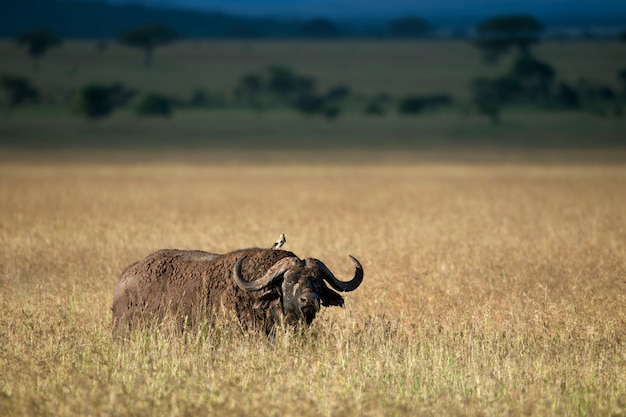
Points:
[(387, 8)]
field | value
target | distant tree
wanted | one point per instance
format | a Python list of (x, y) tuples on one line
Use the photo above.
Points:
[(286, 84), (148, 38), (599, 99), (622, 36), (38, 42), (305, 86), (410, 105), (249, 89), (94, 101), (18, 90), (417, 103), (310, 104), (281, 81), (319, 28), (99, 100), (338, 93), (409, 27), (498, 35), (595, 91), (535, 77)]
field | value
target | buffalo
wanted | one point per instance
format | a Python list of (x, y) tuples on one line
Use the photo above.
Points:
[(263, 288)]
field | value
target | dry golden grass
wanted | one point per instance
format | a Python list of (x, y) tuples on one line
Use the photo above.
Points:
[(489, 289)]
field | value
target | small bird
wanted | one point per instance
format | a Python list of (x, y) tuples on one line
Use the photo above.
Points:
[(280, 242)]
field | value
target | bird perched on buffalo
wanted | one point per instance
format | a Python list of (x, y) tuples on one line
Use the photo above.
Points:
[(280, 242)]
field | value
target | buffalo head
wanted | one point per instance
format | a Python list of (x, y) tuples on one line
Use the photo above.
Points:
[(298, 287)]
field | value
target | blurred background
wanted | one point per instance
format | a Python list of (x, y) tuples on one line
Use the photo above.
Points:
[(157, 77)]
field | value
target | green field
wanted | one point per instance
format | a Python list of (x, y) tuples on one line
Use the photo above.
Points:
[(369, 68)]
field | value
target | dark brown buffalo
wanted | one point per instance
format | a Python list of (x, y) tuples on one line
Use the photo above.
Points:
[(261, 287)]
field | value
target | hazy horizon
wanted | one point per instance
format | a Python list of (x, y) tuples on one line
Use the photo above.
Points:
[(469, 9)]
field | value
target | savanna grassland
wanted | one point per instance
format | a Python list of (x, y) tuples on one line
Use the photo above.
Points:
[(494, 254), (490, 289)]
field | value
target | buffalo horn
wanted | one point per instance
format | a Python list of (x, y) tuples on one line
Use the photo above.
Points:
[(272, 274), (342, 286)]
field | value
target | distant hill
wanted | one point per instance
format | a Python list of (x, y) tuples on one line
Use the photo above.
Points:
[(79, 19), (100, 19)]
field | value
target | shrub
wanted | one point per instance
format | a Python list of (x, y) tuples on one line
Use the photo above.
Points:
[(281, 81), (410, 105), (309, 104), (94, 100), (19, 90), (535, 77), (154, 105), (415, 104), (249, 88), (97, 100), (339, 92), (598, 98), (285, 84), (499, 34)]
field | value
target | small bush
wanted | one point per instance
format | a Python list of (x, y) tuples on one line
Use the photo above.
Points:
[(309, 104), (94, 101), (97, 100), (281, 81), (534, 77), (410, 105), (598, 99), (19, 90), (415, 104), (339, 92), (154, 105)]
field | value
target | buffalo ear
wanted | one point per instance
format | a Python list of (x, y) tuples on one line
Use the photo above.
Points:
[(266, 299), (331, 298)]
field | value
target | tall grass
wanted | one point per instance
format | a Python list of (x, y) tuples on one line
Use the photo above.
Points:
[(489, 290)]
